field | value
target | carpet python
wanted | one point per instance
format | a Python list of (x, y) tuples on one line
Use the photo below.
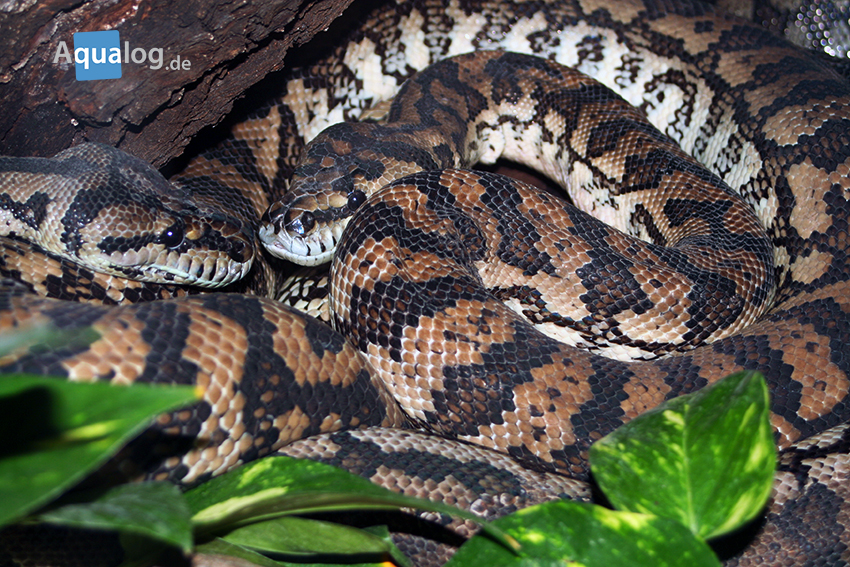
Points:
[(766, 118)]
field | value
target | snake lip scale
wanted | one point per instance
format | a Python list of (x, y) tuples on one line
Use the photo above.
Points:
[(443, 307)]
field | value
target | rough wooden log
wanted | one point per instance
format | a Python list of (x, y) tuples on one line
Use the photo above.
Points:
[(152, 113)]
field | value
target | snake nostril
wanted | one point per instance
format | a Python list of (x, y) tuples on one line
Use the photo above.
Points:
[(300, 225)]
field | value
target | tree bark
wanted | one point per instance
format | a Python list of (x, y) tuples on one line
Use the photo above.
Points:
[(151, 113)]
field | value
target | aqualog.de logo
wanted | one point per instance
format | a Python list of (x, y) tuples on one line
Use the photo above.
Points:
[(98, 55)]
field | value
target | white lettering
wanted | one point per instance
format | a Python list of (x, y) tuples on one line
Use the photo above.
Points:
[(84, 58), (176, 64), (155, 56), (94, 58), (62, 53), (99, 56), (141, 53)]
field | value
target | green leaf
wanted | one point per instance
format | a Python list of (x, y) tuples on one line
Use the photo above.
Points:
[(54, 432), (219, 547), (152, 509), (277, 486), (300, 536), (578, 534), (706, 459)]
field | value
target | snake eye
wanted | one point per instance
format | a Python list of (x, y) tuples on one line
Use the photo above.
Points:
[(355, 199), (302, 224), (172, 237)]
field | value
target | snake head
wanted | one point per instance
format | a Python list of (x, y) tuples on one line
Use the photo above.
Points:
[(206, 250), (332, 181), (305, 229), (115, 214)]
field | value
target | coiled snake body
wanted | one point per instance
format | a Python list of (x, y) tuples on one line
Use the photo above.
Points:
[(765, 118)]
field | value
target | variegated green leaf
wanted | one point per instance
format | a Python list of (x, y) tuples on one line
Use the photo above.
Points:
[(57, 431), (279, 486), (213, 550), (307, 538), (154, 510), (566, 533), (706, 459)]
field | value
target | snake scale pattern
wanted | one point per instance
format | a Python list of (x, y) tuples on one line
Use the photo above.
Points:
[(767, 119)]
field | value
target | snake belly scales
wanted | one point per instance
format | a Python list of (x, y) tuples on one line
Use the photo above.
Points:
[(762, 116)]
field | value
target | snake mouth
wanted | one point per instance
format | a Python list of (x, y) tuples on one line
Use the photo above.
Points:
[(304, 232), (309, 250), (196, 267)]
